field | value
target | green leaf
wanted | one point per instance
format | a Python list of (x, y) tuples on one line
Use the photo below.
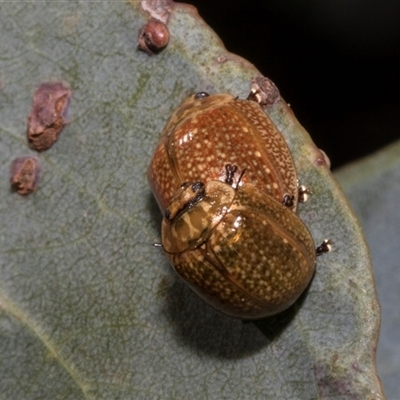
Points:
[(89, 308), (372, 188)]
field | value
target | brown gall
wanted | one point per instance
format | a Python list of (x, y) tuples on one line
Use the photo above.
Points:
[(24, 173), (264, 92), (48, 115), (153, 37)]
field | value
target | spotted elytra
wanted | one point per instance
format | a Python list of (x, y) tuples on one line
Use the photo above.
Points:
[(225, 181), (205, 133)]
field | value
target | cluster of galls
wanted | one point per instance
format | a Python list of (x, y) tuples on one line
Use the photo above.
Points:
[(46, 120)]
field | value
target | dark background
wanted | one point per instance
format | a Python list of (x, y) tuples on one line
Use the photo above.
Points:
[(336, 62)]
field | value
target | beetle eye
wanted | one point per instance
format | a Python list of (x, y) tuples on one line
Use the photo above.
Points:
[(200, 95)]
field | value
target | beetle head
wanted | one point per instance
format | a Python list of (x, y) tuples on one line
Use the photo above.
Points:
[(193, 212), (185, 198)]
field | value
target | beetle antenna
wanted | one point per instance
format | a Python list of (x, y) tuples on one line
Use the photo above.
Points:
[(240, 178)]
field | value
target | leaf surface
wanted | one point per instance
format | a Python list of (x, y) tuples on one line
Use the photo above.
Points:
[(372, 188), (89, 308)]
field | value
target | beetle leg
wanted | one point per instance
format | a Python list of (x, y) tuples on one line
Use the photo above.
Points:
[(288, 200), (230, 173), (324, 247), (304, 193)]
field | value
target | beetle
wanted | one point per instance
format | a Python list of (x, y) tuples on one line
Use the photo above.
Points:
[(232, 233), (207, 132)]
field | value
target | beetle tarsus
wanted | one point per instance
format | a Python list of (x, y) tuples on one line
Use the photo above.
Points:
[(200, 95), (304, 193), (230, 173), (324, 247), (288, 200)]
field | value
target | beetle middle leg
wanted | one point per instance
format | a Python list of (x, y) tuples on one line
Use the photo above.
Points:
[(230, 173)]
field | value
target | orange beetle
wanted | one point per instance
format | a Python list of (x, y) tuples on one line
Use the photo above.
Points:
[(233, 237), (205, 133)]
